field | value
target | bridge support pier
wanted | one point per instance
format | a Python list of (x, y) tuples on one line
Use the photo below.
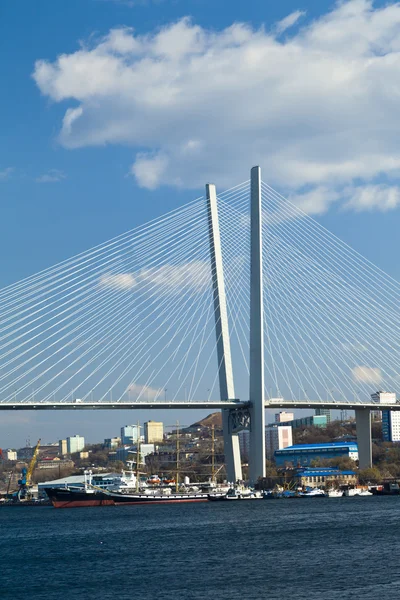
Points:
[(226, 385), (364, 437), (233, 462)]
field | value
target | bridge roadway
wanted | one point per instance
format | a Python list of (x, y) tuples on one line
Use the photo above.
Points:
[(194, 404)]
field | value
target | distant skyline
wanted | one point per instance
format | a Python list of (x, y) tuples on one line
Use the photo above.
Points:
[(116, 111)]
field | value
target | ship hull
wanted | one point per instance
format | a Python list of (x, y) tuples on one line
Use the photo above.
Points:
[(67, 498)]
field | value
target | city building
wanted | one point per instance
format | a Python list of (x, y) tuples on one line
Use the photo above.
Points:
[(244, 443), (111, 443), (75, 443), (391, 425), (376, 415), (129, 453), (153, 432), (315, 421), (9, 455), (325, 412), (303, 454), (129, 434), (325, 478), (25, 453), (276, 438), (62, 447), (284, 417), (384, 397), (54, 463)]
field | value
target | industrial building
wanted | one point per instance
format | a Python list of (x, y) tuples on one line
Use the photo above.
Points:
[(304, 454), (314, 421), (153, 432), (276, 438), (75, 443), (323, 477), (323, 412)]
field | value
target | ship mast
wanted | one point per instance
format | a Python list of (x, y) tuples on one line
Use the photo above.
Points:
[(137, 454), (177, 457), (212, 453)]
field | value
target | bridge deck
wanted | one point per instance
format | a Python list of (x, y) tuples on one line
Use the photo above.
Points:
[(196, 404), (100, 405)]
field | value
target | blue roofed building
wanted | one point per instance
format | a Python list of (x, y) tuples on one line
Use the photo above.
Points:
[(303, 454), (325, 478)]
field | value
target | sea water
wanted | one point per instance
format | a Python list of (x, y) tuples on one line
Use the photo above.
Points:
[(317, 548)]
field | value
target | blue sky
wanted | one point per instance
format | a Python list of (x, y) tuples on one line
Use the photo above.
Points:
[(64, 190)]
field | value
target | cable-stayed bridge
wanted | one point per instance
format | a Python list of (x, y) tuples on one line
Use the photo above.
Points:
[(300, 319)]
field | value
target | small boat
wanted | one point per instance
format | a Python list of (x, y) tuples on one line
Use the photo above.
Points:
[(357, 491), (240, 493), (334, 493), (364, 493), (312, 493)]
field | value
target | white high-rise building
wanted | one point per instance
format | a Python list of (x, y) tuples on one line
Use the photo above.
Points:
[(376, 415), (284, 416), (277, 437), (75, 443), (9, 455), (384, 397), (391, 425)]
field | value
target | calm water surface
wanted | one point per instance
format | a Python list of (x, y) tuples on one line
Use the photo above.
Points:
[(303, 549)]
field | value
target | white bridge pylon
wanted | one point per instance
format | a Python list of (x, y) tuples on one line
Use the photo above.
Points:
[(300, 320)]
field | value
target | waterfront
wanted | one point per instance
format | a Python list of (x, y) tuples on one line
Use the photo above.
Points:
[(330, 548)]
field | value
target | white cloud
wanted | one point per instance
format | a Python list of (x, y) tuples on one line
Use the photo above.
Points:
[(192, 276), (289, 21), (52, 176), (150, 170), (370, 197), (315, 201), (6, 173), (317, 110), (365, 374), (144, 392), (120, 281)]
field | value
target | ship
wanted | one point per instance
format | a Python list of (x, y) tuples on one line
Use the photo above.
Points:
[(81, 497), (236, 493)]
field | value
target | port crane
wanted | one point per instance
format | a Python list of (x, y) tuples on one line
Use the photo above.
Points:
[(25, 483)]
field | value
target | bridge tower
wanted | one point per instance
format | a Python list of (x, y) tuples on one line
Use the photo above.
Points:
[(257, 405), (226, 383)]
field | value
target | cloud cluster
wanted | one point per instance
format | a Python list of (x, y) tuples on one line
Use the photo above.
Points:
[(363, 374), (316, 106), (192, 276), (6, 173), (144, 392), (52, 176)]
